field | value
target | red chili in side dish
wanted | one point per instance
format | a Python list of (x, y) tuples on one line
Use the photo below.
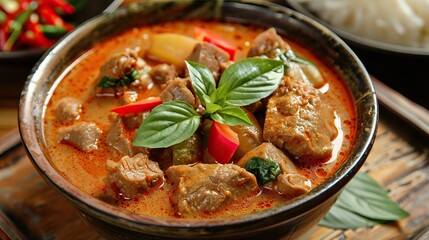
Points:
[(31, 24), (159, 121)]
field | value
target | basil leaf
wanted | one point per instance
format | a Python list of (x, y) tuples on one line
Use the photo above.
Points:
[(167, 124), (248, 81), (202, 80), (290, 54), (111, 82), (364, 203), (211, 108), (340, 218), (231, 115), (264, 170)]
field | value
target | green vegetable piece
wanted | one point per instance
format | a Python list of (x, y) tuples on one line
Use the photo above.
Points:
[(264, 170), (167, 124), (363, 203), (111, 82), (52, 31), (2, 17), (248, 81), (188, 151)]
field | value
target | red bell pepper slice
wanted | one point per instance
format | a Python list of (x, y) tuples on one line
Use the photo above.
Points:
[(204, 35), (222, 142), (139, 106)]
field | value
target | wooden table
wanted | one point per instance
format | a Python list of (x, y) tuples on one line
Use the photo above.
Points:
[(399, 160)]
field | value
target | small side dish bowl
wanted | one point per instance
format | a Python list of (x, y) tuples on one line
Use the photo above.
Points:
[(16, 65), (367, 43), (290, 220)]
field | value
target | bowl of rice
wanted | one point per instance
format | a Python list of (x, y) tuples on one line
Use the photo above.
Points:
[(396, 26)]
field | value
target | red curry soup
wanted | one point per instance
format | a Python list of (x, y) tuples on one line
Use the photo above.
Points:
[(199, 119)]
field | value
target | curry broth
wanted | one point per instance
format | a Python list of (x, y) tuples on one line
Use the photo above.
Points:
[(87, 170)]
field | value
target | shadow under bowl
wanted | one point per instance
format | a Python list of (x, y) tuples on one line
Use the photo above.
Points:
[(290, 220)]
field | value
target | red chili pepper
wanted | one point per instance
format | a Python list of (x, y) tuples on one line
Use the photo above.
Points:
[(24, 4), (50, 17), (222, 142), (2, 39), (16, 27), (204, 35), (64, 6), (34, 35), (139, 106)]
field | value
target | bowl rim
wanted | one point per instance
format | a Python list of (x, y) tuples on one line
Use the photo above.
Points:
[(323, 192), (361, 41)]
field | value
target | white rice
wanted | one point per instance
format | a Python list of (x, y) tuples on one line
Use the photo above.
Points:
[(401, 22)]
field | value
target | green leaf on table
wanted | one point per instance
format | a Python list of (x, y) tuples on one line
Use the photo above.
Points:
[(248, 81), (167, 124), (362, 203)]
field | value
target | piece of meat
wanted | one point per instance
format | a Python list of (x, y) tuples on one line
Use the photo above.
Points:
[(208, 187), (68, 109), (290, 182), (121, 64), (118, 138), (82, 135), (211, 56), (134, 175), (163, 73), (133, 121), (298, 120), (266, 43), (179, 89)]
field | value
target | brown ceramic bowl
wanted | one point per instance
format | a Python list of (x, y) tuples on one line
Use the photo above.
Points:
[(290, 220)]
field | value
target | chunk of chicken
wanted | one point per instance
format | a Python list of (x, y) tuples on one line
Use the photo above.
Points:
[(68, 109), (118, 138), (83, 135), (214, 58), (299, 121), (208, 187), (179, 89), (134, 175), (267, 43), (290, 182), (163, 73)]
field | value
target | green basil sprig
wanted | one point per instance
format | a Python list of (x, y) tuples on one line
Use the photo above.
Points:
[(167, 124), (241, 84), (362, 203)]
